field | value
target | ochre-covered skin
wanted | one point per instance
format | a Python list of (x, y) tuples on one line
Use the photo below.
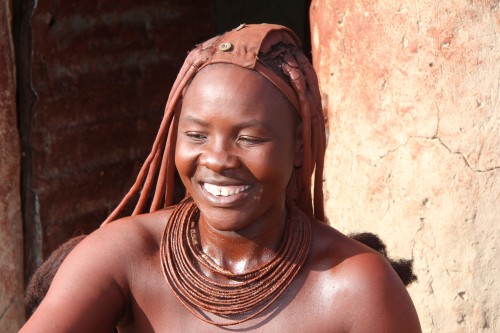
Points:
[(234, 129)]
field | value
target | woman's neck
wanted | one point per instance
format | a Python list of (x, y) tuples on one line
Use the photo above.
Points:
[(247, 249)]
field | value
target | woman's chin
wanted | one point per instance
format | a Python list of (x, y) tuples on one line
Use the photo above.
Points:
[(224, 219)]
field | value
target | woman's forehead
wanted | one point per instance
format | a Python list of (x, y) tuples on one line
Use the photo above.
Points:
[(235, 83), (224, 72), (224, 91)]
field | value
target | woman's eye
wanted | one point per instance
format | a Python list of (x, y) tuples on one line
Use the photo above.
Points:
[(251, 140), (194, 136)]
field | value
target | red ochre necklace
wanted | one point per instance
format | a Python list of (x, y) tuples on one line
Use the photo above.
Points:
[(248, 294)]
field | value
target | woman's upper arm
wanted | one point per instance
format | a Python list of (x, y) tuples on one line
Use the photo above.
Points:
[(88, 293)]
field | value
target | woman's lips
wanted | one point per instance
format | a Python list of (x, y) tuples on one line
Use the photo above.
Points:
[(225, 196), (224, 190)]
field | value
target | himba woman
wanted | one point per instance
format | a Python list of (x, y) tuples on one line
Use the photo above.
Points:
[(245, 249)]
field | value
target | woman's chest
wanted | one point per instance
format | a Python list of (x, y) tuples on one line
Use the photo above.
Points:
[(303, 307)]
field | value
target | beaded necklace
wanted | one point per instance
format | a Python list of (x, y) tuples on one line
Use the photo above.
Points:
[(248, 294)]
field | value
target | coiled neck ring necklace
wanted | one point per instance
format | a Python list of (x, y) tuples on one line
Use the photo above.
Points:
[(246, 295)]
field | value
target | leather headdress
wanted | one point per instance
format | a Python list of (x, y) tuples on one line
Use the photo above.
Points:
[(252, 46)]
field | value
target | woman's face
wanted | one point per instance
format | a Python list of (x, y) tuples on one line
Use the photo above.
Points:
[(237, 144)]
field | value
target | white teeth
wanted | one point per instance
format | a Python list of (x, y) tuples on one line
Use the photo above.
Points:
[(224, 191)]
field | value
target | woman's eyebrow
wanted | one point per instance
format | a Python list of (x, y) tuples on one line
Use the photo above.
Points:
[(195, 120), (244, 124), (252, 123)]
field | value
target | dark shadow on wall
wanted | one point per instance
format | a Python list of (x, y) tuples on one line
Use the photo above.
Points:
[(291, 13), (26, 99)]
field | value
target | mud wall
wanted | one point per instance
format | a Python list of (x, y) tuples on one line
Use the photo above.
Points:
[(11, 246), (412, 92)]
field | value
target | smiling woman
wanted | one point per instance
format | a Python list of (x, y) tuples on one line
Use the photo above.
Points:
[(237, 134), (246, 247)]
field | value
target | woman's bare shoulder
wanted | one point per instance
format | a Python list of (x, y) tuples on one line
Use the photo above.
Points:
[(140, 231), (131, 238), (371, 294), (331, 250), (90, 290)]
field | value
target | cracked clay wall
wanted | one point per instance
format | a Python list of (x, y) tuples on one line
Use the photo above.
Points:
[(412, 92)]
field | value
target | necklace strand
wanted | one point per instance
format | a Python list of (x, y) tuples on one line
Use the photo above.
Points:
[(250, 293)]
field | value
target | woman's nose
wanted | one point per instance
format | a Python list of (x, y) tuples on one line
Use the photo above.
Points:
[(219, 158)]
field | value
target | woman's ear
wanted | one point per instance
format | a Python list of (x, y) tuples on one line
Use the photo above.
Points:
[(299, 147)]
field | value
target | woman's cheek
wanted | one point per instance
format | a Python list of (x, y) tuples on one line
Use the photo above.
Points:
[(185, 158), (270, 164)]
